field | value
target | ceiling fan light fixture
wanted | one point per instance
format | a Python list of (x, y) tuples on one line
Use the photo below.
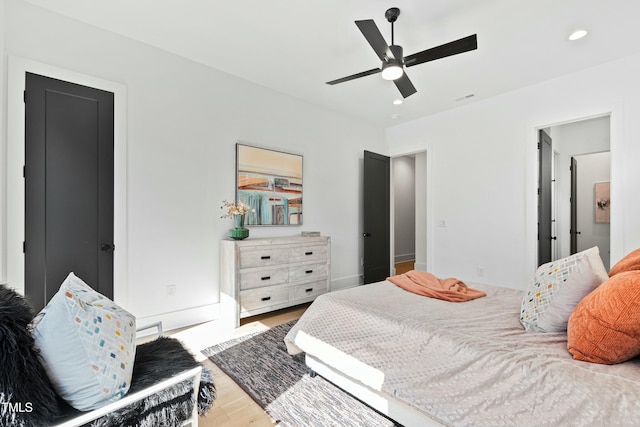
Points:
[(391, 71)]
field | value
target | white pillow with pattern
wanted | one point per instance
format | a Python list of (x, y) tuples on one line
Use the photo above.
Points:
[(558, 287), (87, 345)]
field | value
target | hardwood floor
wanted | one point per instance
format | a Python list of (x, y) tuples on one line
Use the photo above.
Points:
[(403, 267), (233, 407)]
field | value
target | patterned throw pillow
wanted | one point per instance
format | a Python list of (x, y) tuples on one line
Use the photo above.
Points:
[(558, 287), (87, 344)]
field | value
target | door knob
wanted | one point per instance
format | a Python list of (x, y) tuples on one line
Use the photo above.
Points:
[(366, 234), (107, 247)]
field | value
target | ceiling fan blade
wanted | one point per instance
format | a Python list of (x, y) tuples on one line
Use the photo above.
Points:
[(405, 86), (371, 32), (448, 49), (355, 76)]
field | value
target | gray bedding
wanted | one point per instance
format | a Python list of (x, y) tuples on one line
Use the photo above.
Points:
[(467, 363)]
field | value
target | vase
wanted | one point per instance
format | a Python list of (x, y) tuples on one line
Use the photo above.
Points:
[(238, 232)]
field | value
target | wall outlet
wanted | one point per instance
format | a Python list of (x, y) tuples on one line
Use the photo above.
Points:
[(480, 271), (171, 290)]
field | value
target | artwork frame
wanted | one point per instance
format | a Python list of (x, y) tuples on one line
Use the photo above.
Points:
[(602, 205), (270, 182)]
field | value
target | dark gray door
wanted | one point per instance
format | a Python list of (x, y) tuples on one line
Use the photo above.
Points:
[(544, 198), (377, 214), (574, 207), (68, 187)]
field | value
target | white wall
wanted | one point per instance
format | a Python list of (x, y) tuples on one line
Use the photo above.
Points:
[(183, 120), (3, 153), (484, 176), (421, 236), (404, 208)]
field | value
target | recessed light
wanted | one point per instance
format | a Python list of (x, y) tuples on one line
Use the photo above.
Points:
[(397, 102), (577, 35), (395, 116)]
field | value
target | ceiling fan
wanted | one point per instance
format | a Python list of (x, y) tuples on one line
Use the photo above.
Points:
[(393, 63)]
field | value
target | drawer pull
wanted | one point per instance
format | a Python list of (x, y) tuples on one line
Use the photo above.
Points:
[(309, 253), (265, 257), (309, 271), (265, 278), (266, 298), (308, 289)]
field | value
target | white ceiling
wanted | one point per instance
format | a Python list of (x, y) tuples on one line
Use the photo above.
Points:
[(294, 47)]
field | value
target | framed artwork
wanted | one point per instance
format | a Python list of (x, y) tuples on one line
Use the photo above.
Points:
[(270, 182), (603, 202)]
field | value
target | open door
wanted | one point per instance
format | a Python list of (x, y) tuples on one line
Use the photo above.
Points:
[(377, 217), (544, 199), (574, 207)]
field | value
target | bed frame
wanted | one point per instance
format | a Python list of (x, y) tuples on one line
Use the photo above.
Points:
[(384, 403)]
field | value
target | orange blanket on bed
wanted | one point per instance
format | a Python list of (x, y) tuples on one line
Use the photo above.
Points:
[(422, 283)]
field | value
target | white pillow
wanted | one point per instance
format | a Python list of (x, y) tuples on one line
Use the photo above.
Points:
[(87, 345), (558, 287)]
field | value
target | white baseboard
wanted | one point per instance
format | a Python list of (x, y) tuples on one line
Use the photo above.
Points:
[(181, 318), (404, 257), (346, 283)]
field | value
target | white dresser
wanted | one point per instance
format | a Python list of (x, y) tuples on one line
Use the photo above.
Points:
[(265, 274)]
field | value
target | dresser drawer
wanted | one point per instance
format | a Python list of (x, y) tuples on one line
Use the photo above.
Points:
[(307, 290), (308, 272), (254, 299), (257, 278), (309, 252), (262, 256)]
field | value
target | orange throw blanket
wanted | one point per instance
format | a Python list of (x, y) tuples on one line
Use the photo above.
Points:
[(422, 283)]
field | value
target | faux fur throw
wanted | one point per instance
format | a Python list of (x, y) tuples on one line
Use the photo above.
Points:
[(27, 397), (422, 283)]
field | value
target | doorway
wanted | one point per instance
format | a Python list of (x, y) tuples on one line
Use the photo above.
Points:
[(69, 203), (590, 201), (572, 140), (14, 266), (409, 188)]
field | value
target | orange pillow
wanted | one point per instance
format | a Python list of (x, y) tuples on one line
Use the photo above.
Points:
[(628, 263), (605, 326)]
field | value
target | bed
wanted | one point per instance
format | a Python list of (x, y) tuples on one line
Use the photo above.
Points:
[(423, 361)]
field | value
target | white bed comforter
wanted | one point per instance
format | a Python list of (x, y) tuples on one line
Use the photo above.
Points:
[(467, 363)]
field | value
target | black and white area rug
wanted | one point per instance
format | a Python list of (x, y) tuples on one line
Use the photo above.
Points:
[(279, 383)]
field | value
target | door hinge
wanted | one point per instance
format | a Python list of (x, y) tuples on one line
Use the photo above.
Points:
[(24, 96), (24, 247), (24, 171), (539, 146)]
